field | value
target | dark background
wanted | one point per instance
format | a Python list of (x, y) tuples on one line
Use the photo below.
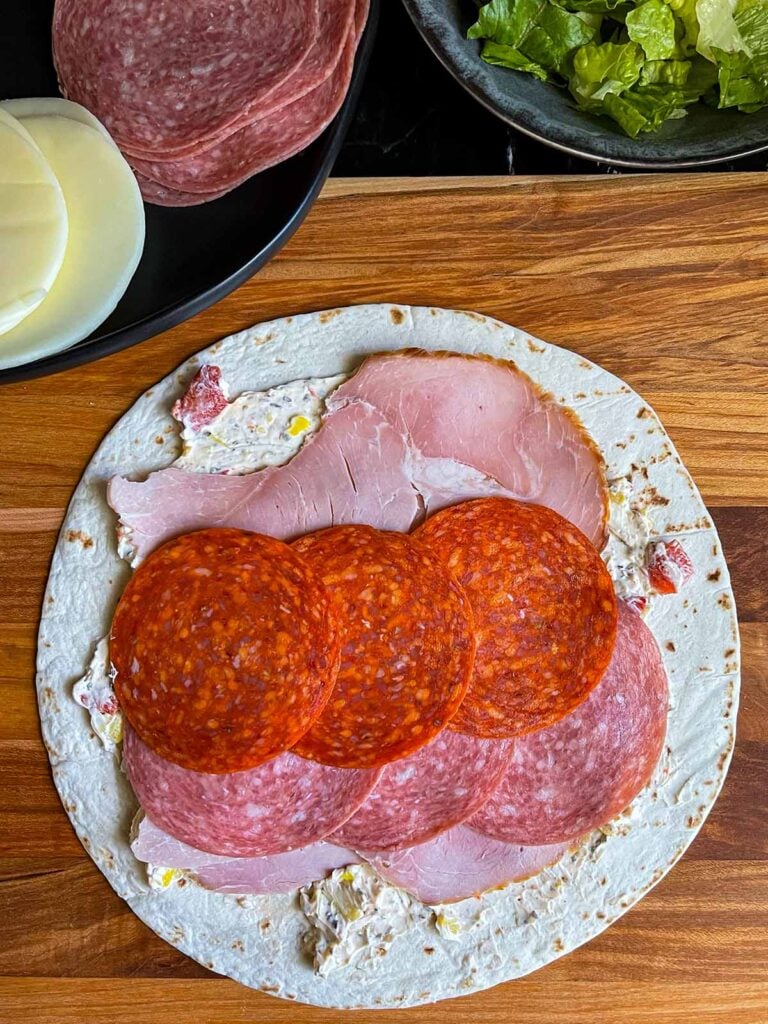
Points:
[(414, 119)]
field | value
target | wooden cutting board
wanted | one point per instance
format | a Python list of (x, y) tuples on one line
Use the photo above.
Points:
[(662, 280)]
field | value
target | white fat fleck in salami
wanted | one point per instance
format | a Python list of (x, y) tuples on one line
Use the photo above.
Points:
[(164, 75), (460, 863), (279, 872), (260, 144), (284, 804), (577, 774), (419, 796)]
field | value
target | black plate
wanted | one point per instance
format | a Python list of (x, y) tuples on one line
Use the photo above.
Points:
[(549, 114), (193, 256)]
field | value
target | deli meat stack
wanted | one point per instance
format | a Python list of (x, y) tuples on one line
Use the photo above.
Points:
[(201, 95)]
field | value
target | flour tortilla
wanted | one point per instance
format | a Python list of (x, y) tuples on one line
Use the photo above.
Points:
[(507, 933)]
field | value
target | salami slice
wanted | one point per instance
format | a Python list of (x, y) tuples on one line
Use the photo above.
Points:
[(225, 649), (461, 863), (544, 607), (282, 805), (259, 144), (159, 195), (408, 646), (165, 76), (565, 780), (337, 17), (418, 797)]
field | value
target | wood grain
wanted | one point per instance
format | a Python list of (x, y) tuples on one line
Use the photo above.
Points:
[(661, 280)]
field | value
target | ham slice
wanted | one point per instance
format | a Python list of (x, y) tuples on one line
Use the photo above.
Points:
[(351, 471), (460, 863), (485, 414), (407, 435), (278, 873)]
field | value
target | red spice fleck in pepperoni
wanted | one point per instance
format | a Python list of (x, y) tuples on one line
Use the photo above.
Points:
[(669, 566), (408, 646), (544, 607), (203, 401), (225, 648)]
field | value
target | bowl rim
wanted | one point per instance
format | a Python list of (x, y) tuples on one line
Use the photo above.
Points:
[(434, 44)]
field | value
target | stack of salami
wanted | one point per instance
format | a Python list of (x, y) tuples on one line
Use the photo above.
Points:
[(453, 701), (201, 95)]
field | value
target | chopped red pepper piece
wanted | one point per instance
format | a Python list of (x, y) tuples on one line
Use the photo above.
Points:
[(669, 567)]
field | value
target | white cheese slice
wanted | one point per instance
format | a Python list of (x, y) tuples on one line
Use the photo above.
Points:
[(106, 238), (53, 106), (33, 224)]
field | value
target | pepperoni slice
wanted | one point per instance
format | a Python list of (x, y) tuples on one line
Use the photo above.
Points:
[(425, 794), (544, 607), (225, 649), (408, 646)]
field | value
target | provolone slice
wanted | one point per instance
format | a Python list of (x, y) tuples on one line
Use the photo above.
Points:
[(33, 224), (53, 106), (106, 238)]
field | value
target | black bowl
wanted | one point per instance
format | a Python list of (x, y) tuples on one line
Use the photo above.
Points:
[(196, 255), (549, 114)]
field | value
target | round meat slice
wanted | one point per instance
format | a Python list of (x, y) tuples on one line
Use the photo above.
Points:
[(159, 195), (225, 649), (544, 607), (418, 797), (282, 805), (258, 145), (461, 863), (165, 76), (563, 781), (407, 646)]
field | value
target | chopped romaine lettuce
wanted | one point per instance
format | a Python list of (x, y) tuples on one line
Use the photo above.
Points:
[(608, 68), (652, 25), (639, 62)]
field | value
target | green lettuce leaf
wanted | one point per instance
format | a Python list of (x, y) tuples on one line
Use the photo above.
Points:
[(541, 32), (652, 25), (694, 78), (557, 36), (717, 28), (509, 57), (616, 8), (665, 72), (739, 85), (686, 26), (507, 21), (645, 108), (751, 18), (602, 69)]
